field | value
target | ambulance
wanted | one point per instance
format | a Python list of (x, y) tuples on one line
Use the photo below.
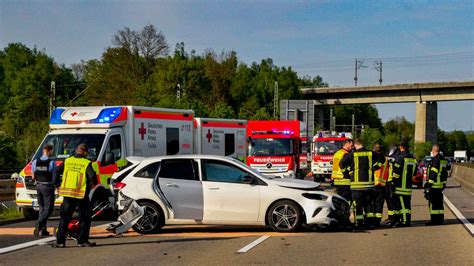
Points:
[(323, 147), (224, 137), (111, 133), (274, 147)]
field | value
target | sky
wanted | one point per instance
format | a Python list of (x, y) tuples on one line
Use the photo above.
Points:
[(417, 41)]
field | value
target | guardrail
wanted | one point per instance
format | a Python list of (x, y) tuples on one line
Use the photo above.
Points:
[(6, 173), (464, 175), (7, 190)]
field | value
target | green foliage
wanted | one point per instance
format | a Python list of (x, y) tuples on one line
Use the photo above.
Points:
[(25, 82), (7, 152), (422, 149), (370, 136), (366, 114)]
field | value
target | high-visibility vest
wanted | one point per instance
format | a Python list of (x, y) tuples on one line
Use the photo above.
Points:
[(403, 184), (363, 175), (74, 181), (338, 173), (441, 177), (381, 175)]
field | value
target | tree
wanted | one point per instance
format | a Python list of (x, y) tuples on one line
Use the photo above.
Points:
[(25, 81), (363, 113)]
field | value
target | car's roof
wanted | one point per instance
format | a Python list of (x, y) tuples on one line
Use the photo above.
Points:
[(184, 156)]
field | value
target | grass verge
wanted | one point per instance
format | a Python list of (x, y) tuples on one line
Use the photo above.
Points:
[(9, 214)]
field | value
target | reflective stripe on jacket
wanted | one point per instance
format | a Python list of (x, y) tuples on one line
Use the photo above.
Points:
[(437, 172), (363, 175), (340, 176), (404, 169)]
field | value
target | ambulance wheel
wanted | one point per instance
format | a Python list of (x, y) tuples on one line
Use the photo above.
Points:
[(30, 214), (152, 220)]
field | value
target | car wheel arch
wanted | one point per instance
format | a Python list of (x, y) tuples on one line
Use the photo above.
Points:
[(164, 216), (303, 214)]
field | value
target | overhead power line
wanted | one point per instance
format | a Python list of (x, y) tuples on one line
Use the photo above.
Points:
[(341, 64)]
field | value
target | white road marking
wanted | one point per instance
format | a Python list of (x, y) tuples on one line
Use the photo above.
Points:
[(42, 241), (253, 244), (39, 242), (459, 215)]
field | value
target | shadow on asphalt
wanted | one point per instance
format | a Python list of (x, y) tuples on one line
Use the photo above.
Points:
[(165, 241)]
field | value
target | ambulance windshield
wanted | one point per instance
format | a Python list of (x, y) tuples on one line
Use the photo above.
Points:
[(270, 147), (64, 145), (328, 147)]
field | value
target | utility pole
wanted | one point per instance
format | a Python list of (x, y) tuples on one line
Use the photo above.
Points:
[(353, 125), (378, 67), (275, 99), (178, 93), (52, 97), (358, 65)]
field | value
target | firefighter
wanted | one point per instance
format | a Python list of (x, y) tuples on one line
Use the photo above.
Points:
[(43, 170), (362, 163), (379, 183), (388, 185), (437, 177), (340, 177), (404, 167), (76, 182)]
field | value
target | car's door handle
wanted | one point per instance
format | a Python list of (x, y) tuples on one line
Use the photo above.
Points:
[(214, 188), (172, 185)]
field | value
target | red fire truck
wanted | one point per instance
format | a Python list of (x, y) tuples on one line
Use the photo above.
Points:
[(324, 145), (274, 147)]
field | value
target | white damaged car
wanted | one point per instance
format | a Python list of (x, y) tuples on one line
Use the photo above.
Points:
[(205, 189)]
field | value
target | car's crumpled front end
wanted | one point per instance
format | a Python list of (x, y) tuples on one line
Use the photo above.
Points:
[(323, 208)]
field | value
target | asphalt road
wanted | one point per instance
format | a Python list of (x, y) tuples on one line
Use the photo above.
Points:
[(419, 244)]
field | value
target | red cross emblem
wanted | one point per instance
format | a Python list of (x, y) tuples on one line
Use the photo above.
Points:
[(142, 131), (209, 136), (73, 114)]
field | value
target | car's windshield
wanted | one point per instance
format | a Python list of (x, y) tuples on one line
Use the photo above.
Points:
[(64, 145), (328, 147), (270, 146)]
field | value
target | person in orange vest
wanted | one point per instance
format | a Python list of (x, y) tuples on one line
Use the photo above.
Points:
[(78, 177), (340, 177), (380, 177)]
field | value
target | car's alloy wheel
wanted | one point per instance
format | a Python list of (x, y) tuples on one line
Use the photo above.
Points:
[(151, 221), (284, 216)]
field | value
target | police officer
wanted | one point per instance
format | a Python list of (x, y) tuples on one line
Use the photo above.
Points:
[(437, 177), (363, 163), (379, 183), (404, 168), (43, 170), (340, 177), (78, 177)]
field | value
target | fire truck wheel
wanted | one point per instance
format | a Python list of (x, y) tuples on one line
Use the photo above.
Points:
[(30, 214), (152, 220), (284, 216)]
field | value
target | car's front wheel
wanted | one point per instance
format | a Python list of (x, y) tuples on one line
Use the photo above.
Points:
[(284, 216), (152, 220)]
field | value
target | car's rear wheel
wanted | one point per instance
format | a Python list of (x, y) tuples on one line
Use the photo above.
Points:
[(152, 220), (284, 216)]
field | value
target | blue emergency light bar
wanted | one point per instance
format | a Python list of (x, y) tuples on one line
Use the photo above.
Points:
[(108, 115), (56, 117)]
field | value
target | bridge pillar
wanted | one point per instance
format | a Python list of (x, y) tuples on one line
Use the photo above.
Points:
[(426, 124)]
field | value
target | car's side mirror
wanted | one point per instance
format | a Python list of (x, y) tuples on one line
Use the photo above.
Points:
[(248, 179)]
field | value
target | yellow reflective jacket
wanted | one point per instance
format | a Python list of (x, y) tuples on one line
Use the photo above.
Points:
[(74, 180)]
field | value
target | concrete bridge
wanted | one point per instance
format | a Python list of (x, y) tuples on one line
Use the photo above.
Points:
[(425, 95)]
